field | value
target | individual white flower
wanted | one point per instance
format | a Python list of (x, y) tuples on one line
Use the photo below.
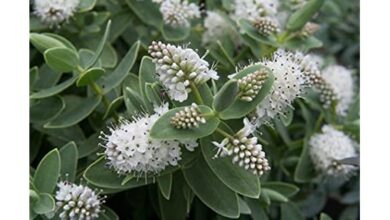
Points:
[(245, 149), (288, 85), (253, 9), (77, 202), (130, 149), (54, 12), (178, 12), (341, 81), (330, 146), (189, 117), (178, 67)]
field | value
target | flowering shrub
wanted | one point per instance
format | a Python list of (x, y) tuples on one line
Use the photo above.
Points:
[(180, 109)]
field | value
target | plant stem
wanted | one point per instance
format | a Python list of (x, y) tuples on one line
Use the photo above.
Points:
[(318, 123), (198, 97), (224, 133)]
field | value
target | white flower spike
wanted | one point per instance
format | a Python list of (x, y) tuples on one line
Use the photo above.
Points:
[(178, 67), (54, 12), (254, 9), (342, 83), (330, 146), (77, 202), (245, 149), (288, 85), (129, 148), (178, 12)]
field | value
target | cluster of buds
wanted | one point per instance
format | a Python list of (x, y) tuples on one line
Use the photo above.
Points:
[(245, 149), (77, 202), (309, 29), (266, 25), (188, 118), (178, 12), (250, 85), (178, 67), (327, 95)]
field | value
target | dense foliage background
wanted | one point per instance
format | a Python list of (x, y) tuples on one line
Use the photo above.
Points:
[(65, 114)]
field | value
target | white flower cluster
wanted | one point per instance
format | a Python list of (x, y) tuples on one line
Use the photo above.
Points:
[(188, 118), (253, 9), (217, 27), (178, 12), (77, 202), (54, 12), (289, 83), (178, 67), (250, 85), (130, 149), (246, 150), (342, 83), (330, 146)]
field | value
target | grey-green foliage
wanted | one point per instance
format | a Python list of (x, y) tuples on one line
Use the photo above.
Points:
[(94, 70)]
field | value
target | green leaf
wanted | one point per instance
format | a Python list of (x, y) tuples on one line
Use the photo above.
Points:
[(233, 176), (114, 79), (210, 190), (69, 156), (42, 110), (241, 108), (89, 145), (85, 56), (90, 76), (100, 175), (134, 100), (152, 92), (100, 47), (76, 109), (218, 51), (34, 76), (47, 78), (285, 189), (109, 58), (162, 128), (273, 195), (303, 43), (44, 204), (254, 34), (290, 212), (147, 11), (244, 208), (147, 73), (62, 39), (176, 207), (47, 172), (175, 33), (43, 42), (299, 18), (165, 185), (114, 105), (226, 96), (304, 171), (61, 59), (324, 216), (257, 211), (51, 91), (86, 5)]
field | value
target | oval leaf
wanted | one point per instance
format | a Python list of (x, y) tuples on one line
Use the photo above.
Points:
[(100, 47), (235, 177), (210, 190), (43, 42), (285, 189), (44, 204), (43, 110), (76, 109), (54, 90), (90, 76), (226, 96), (69, 156), (241, 108), (162, 128), (165, 185), (86, 5), (47, 172), (61, 59), (299, 18)]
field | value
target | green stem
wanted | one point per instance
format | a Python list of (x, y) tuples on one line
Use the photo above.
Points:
[(318, 123), (198, 97), (224, 133)]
